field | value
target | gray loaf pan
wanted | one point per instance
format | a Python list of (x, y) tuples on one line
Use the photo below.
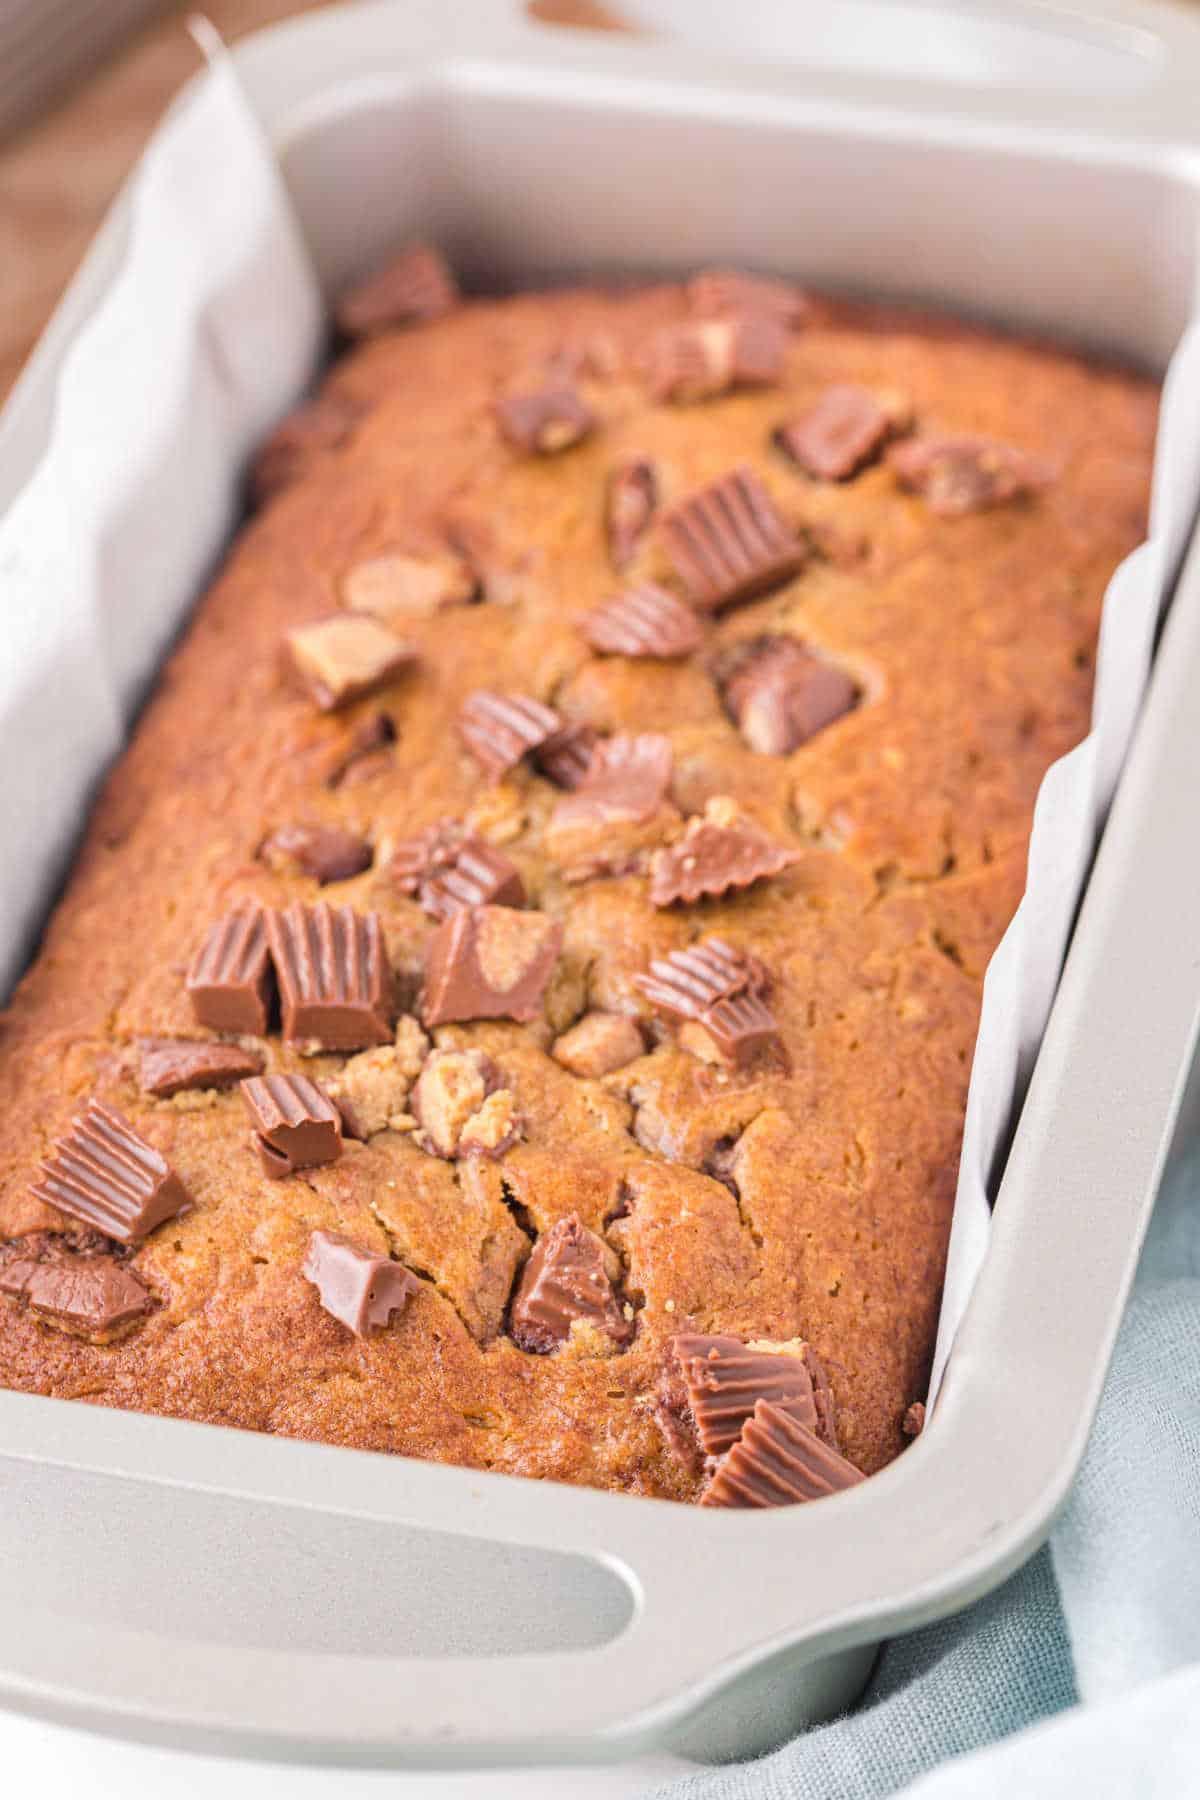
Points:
[(199, 1586)]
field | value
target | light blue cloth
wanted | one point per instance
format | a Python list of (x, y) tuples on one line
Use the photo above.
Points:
[(1095, 1643)]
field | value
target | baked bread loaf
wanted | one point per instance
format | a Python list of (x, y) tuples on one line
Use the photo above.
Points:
[(515, 999)]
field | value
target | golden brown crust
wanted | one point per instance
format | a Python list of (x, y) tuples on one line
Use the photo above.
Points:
[(811, 1201)]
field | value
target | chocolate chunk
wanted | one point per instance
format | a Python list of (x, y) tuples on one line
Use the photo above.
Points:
[(566, 757), (550, 419), (297, 1125), (446, 868), (401, 587), (728, 542), (489, 962), (341, 659), (415, 286), (230, 983), (724, 1378), (464, 1106), (326, 852), (359, 1289), (686, 983), (843, 432), (736, 1031), (107, 1176), (717, 291), (719, 851), (709, 357), (298, 441), (175, 1065), (499, 729), (356, 749), (598, 1044), (565, 1282), (15, 1271), (627, 779), (643, 621), (335, 983), (629, 502), (913, 1423), (780, 695), (93, 1297), (961, 473), (777, 1462)]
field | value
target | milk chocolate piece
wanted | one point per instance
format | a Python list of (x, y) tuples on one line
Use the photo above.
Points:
[(325, 852), (359, 1289), (335, 985), (776, 1462), (710, 357), (629, 502), (718, 291), (489, 962), (415, 286), (686, 983), (93, 1297), (735, 1031), (175, 1065), (500, 729), (962, 473), (356, 748), (105, 1175), (230, 983), (780, 695), (724, 1378), (565, 1280), (728, 542), (627, 779), (643, 621), (297, 1125), (599, 1043), (398, 587), (843, 432), (343, 658), (446, 868), (297, 441), (550, 419), (566, 757), (718, 852)]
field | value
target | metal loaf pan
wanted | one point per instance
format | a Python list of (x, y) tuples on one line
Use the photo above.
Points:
[(200, 1586)]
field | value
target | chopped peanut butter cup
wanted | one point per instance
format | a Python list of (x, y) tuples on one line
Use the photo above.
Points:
[(335, 984), (618, 811), (343, 658), (724, 1378), (717, 291), (489, 962), (708, 357), (395, 587), (718, 852), (446, 867), (957, 474), (413, 287), (362, 1291), (230, 982), (643, 621), (464, 1106), (565, 1289), (500, 729), (176, 1065), (324, 852), (599, 1043), (87, 1296), (630, 500), (780, 695), (566, 757), (777, 1462), (105, 1175), (685, 983), (549, 419), (296, 1124), (728, 542), (843, 432)]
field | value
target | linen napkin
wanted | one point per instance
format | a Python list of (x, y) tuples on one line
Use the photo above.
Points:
[(1096, 1642)]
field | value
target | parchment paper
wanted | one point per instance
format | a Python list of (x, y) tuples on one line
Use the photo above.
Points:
[(210, 331)]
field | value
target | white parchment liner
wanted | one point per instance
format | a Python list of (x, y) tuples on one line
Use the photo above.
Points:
[(211, 329)]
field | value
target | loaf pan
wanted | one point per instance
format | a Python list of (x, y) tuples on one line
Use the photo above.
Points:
[(197, 1586)]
